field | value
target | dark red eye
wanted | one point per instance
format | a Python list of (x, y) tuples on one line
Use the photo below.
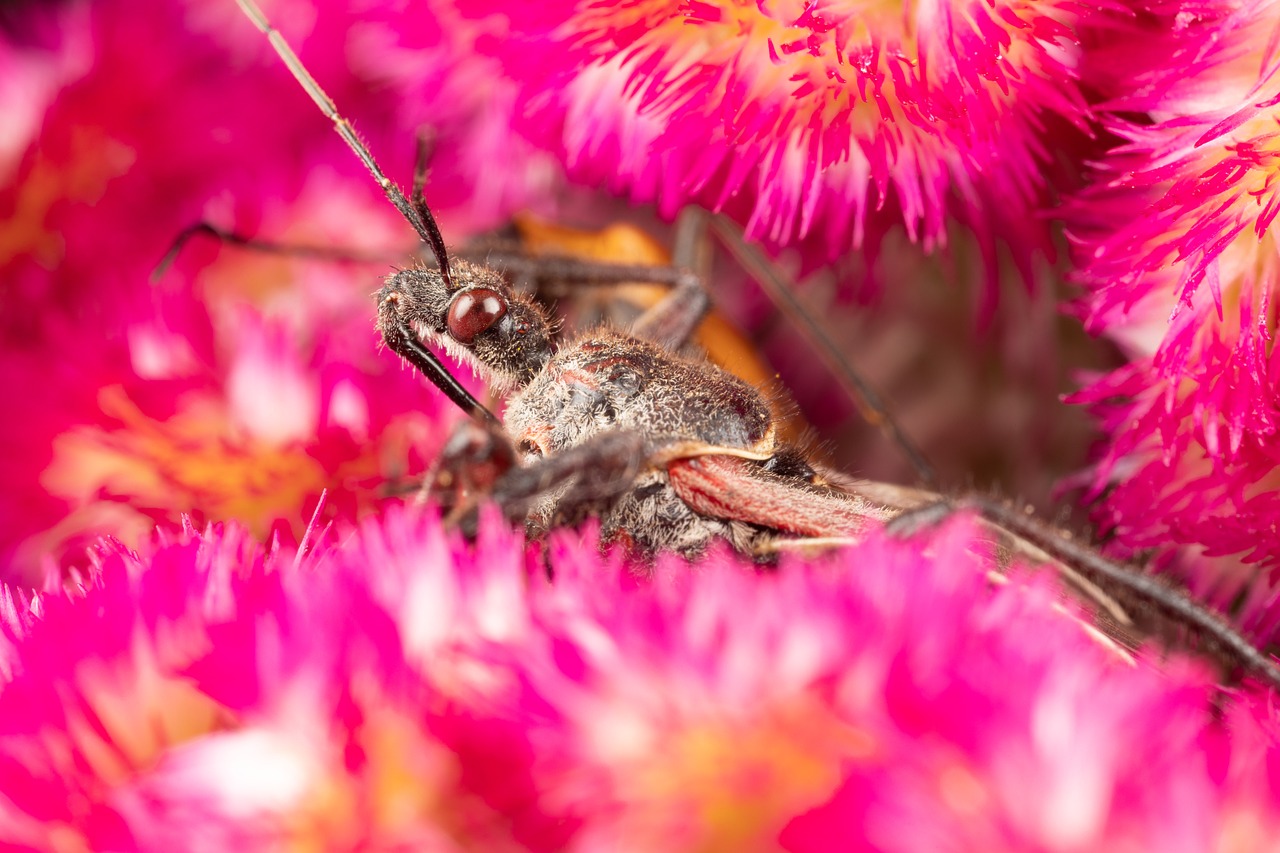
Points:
[(474, 311)]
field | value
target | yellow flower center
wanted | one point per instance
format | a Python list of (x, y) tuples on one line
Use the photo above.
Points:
[(196, 460)]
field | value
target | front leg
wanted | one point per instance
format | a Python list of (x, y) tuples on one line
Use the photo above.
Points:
[(585, 480), (479, 464), (476, 455)]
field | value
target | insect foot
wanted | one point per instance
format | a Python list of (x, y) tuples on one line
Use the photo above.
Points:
[(473, 460), (561, 490)]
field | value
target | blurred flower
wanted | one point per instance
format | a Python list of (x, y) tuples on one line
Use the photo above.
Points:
[(211, 695), (240, 421), (405, 689), (125, 158), (1178, 244)]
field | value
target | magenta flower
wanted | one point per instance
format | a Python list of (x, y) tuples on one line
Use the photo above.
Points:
[(1176, 237), (371, 680), (217, 699), (806, 119), (224, 135), (241, 420), (402, 689)]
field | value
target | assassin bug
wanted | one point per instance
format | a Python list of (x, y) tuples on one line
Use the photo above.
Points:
[(669, 452)]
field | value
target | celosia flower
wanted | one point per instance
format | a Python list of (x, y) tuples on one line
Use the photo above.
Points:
[(403, 689), (805, 118), (1178, 241)]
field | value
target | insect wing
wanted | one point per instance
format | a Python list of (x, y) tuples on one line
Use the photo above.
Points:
[(737, 490)]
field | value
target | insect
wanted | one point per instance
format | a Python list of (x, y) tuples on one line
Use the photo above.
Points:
[(668, 451)]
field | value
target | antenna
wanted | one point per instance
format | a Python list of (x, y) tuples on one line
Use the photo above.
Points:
[(417, 213), (414, 210)]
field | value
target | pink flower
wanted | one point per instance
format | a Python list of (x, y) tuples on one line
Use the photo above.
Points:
[(387, 684), (401, 688), (806, 119), (236, 420), (210, 695), (225, 134), (904, 707), (1176, 237)]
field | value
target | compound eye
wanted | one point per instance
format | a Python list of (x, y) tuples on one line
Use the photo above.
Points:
[(474, 311)]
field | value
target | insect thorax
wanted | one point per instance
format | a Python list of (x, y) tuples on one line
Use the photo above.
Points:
[(608, 380)]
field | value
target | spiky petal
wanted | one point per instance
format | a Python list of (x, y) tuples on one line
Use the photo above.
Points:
[(399, 687), (1178, 242), (805, 118)]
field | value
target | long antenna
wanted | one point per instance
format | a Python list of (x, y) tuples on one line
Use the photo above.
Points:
[(418, 216), (404, 341)]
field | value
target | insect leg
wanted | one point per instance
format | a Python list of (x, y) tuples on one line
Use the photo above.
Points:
[(672, 322), (593, 473), (472, 460), (1154, 593), (669, 327), (778, 287), (417, 200), (254, 244), (690, 244), (587, 478)]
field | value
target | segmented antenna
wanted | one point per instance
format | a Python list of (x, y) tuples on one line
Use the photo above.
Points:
[(418, 215), (403, 340)]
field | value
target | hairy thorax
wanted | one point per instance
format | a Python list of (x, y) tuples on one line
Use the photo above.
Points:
[(605, 381)]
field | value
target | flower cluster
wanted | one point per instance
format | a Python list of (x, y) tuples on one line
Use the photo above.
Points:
[(403, 689), (220, 627), (809, 119)]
